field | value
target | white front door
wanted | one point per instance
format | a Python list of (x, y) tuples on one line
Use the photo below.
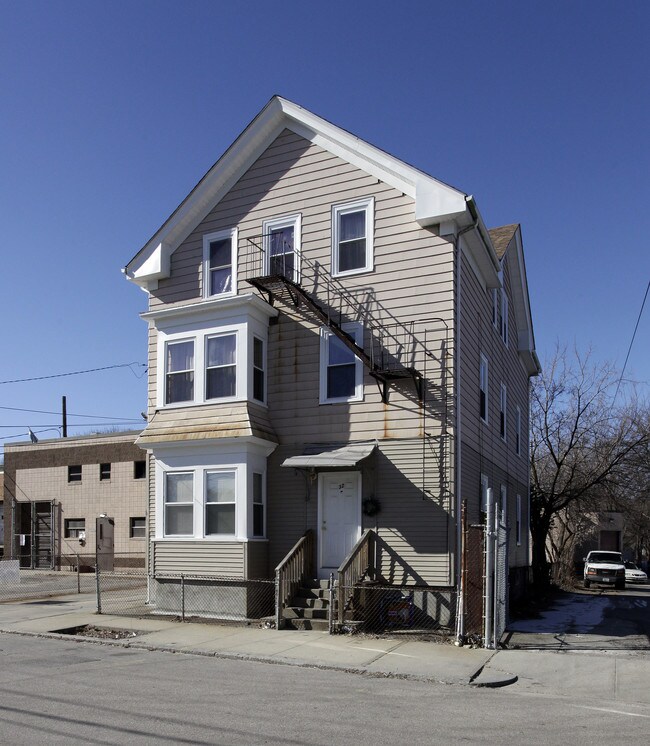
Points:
[(339, 518)]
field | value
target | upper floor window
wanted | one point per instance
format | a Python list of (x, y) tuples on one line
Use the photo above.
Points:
[(352, 237), (104, 471), (179, 505), (483, 388), (341, 372), (518, 521), (282, 247), (500, 312), (221, 367), (179, 372), (518, 431), (74, 473), (504, 317), (503, 408), (259, 383), (220, 263)]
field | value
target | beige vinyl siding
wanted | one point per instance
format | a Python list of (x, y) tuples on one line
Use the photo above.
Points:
[(199, 558)]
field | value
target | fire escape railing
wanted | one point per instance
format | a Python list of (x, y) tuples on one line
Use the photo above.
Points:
[(389, 350)]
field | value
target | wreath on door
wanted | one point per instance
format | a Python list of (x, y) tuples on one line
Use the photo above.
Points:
[(371, 506)]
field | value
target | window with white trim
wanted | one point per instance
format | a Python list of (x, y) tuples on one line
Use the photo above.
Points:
[(179, 371), (259, 375), (221, 367), (179, 503), (518, 521), (220, 503), (504, 317), (483, 388), (258, 505), (341, 372), (352, 237), (518, 430), (282, 247), (220, 263), (503, 408)]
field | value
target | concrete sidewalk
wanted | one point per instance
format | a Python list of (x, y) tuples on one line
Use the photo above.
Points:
[(377, 656)]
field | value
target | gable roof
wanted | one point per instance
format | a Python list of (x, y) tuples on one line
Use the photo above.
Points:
[(435, 201)]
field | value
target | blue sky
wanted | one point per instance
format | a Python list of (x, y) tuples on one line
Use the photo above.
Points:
[(112, 111)]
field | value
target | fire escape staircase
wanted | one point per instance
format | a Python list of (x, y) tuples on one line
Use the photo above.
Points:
[(382, 359)]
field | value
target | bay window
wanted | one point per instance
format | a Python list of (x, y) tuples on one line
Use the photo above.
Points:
[(221, 367), (259, 383), (220, 503), (179, 372), (258, 505)]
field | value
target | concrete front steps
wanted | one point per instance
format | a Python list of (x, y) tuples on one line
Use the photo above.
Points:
[(309, 608)]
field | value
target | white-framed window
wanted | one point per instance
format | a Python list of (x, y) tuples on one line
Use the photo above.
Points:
[(220, 263), (259, 506), (259, 370), (518, 430), (179, 371), (220, 503), (504, 317), (341, 372), (485, 486), (352, 237), (179, 503), (221, 366), (503, 493), (282, 246), (503, 408), (483, 388), (518, 521)]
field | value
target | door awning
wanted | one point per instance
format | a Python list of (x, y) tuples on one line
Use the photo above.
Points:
[(339, 457)]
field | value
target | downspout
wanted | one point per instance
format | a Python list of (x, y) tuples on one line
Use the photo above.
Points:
[(460, 606)]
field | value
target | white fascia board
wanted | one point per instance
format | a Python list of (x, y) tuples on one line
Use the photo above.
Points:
[(521, 304)]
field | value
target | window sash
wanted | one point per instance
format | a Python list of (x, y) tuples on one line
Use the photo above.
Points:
[(341, 369), (104, 471), (74, 473), (502, 411), (518, 522), (483, 387), (221, 374), (352, 237), (137, 528), (179, 504), (220, 503), (220, 265), (259, 382), (73, 527), (179, 372), (258, 505)]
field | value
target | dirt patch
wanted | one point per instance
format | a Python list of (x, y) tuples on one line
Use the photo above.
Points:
[(100, 633)]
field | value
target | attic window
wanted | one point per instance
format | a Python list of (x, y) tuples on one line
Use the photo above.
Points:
[(352, 237), (220, 263)]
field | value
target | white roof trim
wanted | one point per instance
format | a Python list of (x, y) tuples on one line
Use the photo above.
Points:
[(346, 456), (434, 200)]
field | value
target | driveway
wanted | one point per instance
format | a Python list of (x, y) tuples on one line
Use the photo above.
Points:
[(587, 620)]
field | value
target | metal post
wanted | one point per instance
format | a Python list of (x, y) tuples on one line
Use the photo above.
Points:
[(489, 569), (278, 611), (182, 598), (331, 606), (98, 586)]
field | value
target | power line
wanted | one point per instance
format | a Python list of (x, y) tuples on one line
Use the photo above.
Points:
[(79, 372), (95, 416), (86, 424), (629, 349)]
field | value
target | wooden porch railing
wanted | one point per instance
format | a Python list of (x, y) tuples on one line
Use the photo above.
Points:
[(359, 565), (296, 566)]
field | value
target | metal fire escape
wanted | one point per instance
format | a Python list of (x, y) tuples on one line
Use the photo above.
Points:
[(388, 350)]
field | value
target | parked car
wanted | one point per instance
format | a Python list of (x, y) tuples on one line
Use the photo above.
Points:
[(604, 568), (633, 574)]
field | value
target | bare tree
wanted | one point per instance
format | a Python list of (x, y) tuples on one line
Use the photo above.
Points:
[(581, 445)]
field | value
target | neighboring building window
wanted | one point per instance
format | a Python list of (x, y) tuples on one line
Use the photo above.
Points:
[(352, 237), (179, 504), (220, 258), (179, 372), (518, 521), (282, 247), (139, 469), (341, 375), (104, 471), (258, 505), (504, 317), (137, 528), (504, 505), (259, 384), (221, 367), (485, 485), (220, 503), (518, 431), (495, 307), (74, 528), (74, 473), (503, 408), (483, 387)]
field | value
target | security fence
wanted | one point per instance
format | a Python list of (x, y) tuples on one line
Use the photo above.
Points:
[(377, 608), (186, 596)]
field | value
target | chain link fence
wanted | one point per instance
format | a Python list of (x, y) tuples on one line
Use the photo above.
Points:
[(186, 597), (378, 609)]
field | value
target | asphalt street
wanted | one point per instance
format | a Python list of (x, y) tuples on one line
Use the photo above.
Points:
[(56, 691)]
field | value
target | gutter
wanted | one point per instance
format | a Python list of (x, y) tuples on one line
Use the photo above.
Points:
[(482, 232)]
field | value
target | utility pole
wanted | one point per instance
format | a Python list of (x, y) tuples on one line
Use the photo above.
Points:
[(64, 415)]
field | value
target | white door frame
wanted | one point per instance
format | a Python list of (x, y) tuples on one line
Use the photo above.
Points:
[(324, 572)]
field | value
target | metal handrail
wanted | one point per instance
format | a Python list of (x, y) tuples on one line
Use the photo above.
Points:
[(359, 564), (289, 574)]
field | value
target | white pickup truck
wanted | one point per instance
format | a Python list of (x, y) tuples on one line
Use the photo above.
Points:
[(605, 568)]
